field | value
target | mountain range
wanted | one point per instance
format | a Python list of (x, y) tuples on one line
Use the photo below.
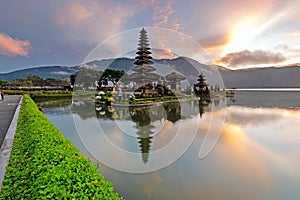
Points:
[(57, 72), (279, 77)]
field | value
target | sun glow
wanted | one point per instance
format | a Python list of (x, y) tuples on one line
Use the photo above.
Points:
[(242, 36)]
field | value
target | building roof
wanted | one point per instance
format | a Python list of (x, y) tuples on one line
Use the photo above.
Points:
[(175, 77)]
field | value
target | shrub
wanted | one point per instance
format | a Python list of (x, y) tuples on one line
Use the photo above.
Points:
[(45, 165)]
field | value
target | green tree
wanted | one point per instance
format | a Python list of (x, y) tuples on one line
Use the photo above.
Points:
[(2, 82), (110, 75), (85, 77), (31, 77), (27, 83)]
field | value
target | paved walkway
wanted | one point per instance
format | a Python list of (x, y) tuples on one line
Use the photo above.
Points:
[(9, 112)]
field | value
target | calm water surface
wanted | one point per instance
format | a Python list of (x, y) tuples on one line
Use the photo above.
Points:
[(256, 157)]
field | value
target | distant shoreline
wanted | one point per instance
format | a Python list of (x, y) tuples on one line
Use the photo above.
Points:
[(265, 89)]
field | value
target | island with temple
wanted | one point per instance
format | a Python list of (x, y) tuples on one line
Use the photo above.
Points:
[(143, 85)]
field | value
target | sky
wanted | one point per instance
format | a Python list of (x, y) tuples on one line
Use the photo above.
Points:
[(235, 34)]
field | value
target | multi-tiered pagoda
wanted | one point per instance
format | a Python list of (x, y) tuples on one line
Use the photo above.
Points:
[(201, 88), (143, 71)]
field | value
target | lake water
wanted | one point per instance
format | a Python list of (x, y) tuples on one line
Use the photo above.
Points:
[(256, 155)]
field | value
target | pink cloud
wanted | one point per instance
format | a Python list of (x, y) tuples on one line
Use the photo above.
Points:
[(75, 14), (92, 19), (142, 4), (163, 53), (214, 42), (12, 46), (161, 16)]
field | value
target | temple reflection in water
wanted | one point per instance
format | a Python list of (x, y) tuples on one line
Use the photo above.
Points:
[(145, 118)]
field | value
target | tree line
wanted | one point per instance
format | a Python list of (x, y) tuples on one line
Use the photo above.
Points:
[(86, 77), (34, 80)]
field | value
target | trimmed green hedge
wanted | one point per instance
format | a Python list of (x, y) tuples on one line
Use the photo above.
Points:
[(45, 165), (42, 94)]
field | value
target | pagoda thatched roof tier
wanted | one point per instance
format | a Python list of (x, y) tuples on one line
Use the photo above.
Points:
[(143, 52), (141, 62), (143, 48), (143, 57), (143, 40), (143, 68), (175, 77), (144, 44), (143, 30), (146, 77), (201, 78)]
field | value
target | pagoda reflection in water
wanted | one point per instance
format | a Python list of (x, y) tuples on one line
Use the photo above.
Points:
[(145, 118)]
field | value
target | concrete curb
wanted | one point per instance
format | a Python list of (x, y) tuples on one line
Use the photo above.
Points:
[(7, 144)]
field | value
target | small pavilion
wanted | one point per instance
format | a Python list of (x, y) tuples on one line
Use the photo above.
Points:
[(174, 79)]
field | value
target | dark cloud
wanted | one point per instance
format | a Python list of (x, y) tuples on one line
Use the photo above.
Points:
[(246, 57)]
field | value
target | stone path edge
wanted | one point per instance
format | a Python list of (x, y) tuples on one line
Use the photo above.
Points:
[(7, 143)]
